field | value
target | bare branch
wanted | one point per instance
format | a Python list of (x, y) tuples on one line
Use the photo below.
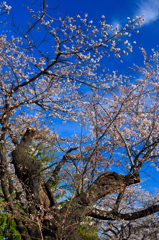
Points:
[(122, 137), (59, 166)]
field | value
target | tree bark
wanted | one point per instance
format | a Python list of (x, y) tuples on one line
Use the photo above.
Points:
[(52, 223), (28, 171)]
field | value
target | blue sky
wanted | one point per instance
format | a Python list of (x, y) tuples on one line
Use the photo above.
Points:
[(115, 11)]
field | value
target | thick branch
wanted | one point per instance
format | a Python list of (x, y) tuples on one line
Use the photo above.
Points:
[(113, 215), (110, 182), (81, 205)]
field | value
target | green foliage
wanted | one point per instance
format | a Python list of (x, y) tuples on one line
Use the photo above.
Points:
[(88, 230), (3, 220), (8, 228), (40, 152)]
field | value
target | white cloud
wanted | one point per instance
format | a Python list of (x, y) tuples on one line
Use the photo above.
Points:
[(150, 8)]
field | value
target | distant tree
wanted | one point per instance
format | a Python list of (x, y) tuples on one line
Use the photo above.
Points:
[(55, 187)]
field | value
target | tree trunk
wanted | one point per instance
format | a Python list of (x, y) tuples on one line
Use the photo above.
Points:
[(45, 220)]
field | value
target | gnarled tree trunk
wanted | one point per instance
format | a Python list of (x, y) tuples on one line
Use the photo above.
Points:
[(50, 222)]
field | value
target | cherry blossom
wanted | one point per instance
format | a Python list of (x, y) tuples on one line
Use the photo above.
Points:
[(51, 75)]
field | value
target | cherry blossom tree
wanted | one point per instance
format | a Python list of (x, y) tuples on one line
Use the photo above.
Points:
[(53, 70)]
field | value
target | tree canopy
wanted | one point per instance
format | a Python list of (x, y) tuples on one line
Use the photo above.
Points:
[(53, 73)]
